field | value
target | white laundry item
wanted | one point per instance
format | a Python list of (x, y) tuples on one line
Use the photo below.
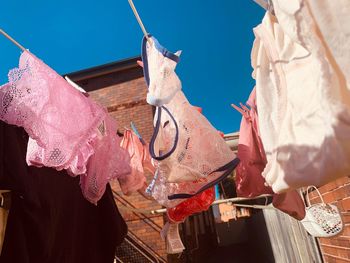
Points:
[(332, 21), (303, 104), (190, 154)]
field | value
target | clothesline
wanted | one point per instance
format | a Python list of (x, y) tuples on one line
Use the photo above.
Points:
[(12, 40), (138, 18), (221, 201)]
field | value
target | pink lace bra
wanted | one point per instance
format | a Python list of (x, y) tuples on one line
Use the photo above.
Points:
[(67, 130)]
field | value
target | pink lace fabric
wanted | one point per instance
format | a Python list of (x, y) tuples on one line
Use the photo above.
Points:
[(140, 159), (62, 124)]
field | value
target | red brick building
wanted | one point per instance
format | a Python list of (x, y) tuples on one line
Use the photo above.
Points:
[(337, 249), (120, 87)]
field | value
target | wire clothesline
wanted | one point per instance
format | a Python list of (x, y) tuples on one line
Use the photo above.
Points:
[(221, 201), (138, 18), (12, 40)]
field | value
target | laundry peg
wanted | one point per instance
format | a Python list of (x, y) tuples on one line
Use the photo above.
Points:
[(133, 127), (262, 3), (12, 40), (266, 4)]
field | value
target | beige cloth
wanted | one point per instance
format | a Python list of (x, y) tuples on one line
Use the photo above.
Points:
[(333, 22), (302, 99)]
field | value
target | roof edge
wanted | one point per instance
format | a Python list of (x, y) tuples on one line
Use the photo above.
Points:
[(104, 69)]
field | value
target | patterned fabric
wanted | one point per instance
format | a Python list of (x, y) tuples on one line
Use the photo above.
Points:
[(194, 148), (66, 128)]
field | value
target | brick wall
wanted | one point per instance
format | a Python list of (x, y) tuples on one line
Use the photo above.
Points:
[(336, 249), (126, 101)]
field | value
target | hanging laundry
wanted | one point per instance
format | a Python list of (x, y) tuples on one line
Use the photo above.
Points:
[(302, 102), (49, 219), (66, 128), (333, 24), (189, 163), (195, 204), (190, 206), (249, 180), (140, 160), (161, 79), (170, 234)]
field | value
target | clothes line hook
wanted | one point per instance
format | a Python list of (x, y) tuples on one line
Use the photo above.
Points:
[(12, 40), (138, 19)]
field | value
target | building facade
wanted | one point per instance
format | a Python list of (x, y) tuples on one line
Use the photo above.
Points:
[(121, 88)]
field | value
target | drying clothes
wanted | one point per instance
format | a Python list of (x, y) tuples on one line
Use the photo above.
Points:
[(190, 206), (108, 162), (303, 106), (66, 128), (249, 180), (290, 203), (162, 83), (140, 160), (190, 162), (333, 24), (196, 204), (49, 219)]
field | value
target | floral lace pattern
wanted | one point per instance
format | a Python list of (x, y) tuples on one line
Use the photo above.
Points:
[(199, 152), (60, 121)]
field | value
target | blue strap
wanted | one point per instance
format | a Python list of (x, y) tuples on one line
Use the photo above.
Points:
[(228, 168), (175, 58), (161, 49), (165, 52), (155, 134), (145, 59)]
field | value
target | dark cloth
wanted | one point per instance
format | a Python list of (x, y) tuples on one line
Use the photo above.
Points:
[(49, 219)]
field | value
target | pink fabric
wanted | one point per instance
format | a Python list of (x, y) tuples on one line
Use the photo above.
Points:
[(249, 180), (62, 124), (191, 165), (140, 159), (195, 204)]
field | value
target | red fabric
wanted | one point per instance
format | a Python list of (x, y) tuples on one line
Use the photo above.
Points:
[(290, 203), (192, 205)]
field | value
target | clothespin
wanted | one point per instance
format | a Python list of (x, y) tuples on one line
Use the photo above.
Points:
[(133, 127)]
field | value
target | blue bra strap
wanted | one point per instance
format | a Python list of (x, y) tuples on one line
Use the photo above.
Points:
[(155, 134), (228, 168), (161, 49)]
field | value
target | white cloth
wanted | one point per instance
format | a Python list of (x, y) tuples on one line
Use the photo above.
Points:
[(303, 104)]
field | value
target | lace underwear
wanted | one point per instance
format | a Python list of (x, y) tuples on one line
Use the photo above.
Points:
[(67, 130)]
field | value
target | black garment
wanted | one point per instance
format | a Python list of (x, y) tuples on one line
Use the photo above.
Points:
[(49, 220)]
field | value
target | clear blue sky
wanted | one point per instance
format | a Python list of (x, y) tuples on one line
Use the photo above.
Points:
[(215, 36)]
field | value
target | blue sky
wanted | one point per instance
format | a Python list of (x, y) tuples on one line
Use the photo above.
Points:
[(215, 37)]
